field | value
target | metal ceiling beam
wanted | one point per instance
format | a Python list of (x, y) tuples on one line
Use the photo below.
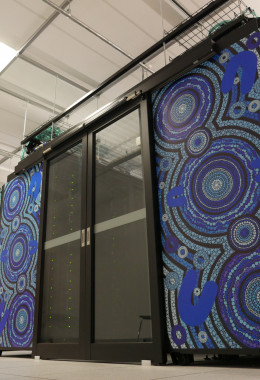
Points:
[(52, 72), (16, 150), (8, 154), (19, 54), (33, 102), (37, 33), (97, 34), (184, 26), (181, 7)]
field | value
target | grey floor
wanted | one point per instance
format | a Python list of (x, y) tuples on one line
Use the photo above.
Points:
[(13, 367)]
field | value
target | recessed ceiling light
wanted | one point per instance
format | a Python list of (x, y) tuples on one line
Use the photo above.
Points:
[(6, 55)]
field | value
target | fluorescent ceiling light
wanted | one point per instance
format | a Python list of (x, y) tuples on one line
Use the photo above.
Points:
[(6, 55)]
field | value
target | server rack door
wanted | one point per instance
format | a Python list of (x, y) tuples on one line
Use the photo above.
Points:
[(100, 288), (63, 257), (124, 316)]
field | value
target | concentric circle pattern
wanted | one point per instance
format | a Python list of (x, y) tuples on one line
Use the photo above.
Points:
[(182, 107), (252, 297), (16, 223), (244, 233), (179, 335), (19, 257), (165, 218), (172, 280), (200, 260), (20, 322), (165, 163), (22, 319), (198, 142), (15, 194), (21, 283), (183, 252), (203, 337), (254, 106), (19, 226), (253, 41), (237, 110), (219, 186), (18, 252), (208, 123), (224, 57), (30, 208), (240, 280)]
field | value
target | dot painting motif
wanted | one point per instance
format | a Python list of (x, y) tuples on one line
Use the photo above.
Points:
[(207, 142), (19, 235)]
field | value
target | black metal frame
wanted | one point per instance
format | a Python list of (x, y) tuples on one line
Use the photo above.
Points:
[(133, 351), (58, 350), (40, 258), (153, 218), (87, 349)]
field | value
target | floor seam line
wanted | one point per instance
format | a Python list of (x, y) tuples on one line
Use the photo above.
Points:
[(186, 374)]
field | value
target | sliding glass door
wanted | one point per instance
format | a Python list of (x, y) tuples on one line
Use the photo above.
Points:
[(99, 296), (60, 303), (122, 293), (126, 316)]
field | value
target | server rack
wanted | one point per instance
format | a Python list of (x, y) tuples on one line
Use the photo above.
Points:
[(187, 109)]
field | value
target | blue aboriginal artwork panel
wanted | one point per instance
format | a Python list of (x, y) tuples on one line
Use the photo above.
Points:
[(19, 235), (206, 128)]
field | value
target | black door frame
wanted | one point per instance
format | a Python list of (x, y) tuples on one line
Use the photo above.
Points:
[(78, 350), (125, 351), (87, 349)]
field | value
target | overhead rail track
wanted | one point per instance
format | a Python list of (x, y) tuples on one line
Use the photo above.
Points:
[(191, 23)]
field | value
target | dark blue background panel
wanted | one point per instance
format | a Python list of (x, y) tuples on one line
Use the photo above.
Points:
[(206, 128), (19, 236)]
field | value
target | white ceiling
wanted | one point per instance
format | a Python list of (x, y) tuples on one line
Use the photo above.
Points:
[(65, 60)]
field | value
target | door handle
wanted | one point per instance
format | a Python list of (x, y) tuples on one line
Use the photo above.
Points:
[(88, 236), (83, 238)]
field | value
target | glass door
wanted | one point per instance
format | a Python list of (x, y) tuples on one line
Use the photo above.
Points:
[(122, 318), (59, 333), (99, 296), (121, 256)]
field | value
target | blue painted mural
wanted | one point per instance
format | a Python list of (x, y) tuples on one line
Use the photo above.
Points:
[(19, 236), (206, 128)]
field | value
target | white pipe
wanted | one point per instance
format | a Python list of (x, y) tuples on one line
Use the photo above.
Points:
[(25, 120)]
